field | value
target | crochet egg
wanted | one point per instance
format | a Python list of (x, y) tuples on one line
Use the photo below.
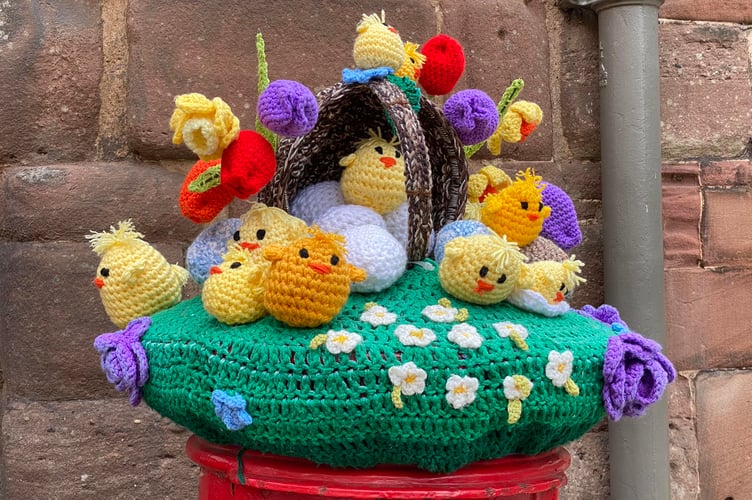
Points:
[(309, 281), (377, 44), (518, 210), (207, 249), (373, 249), (233, 293), (343, 217), (374, 175), (481, 269), (312, 201), (133, 278)]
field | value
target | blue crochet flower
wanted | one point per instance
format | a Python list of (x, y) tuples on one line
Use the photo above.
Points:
[(231, 409), (350, 76)]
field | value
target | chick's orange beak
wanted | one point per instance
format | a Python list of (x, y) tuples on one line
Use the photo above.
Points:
[(98, 282), (215, 270), (249, 246), (320, 268), (388, 161), (532, 217), (393, 30), (483, 286), (559, 297)]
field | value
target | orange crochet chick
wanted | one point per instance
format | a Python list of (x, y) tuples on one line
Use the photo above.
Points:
[(413, 63), (377, 44), (518, 210), (374, 175), (482, 268), (309, 281), (234, 291), (262, 226)]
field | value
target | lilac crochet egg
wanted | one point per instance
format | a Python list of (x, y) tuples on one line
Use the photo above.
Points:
[(287, 108), (473, 115), (561, 227)]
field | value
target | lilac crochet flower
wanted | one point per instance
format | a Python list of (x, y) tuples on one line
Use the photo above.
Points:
[(287, 108), (605, 314), (635, 374), (561, 227), (124, 359), (472, 114)]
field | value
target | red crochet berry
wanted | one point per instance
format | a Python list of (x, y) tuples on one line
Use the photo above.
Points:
[(445, 62), (202, 206), (248, 164)]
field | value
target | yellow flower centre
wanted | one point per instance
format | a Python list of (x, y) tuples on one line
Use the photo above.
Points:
[(379, 314), (460, 389), (411, 377), (340, 339), (561, 367), (417, 333)]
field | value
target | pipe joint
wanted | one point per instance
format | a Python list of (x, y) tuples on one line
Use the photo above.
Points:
[(600, 5)]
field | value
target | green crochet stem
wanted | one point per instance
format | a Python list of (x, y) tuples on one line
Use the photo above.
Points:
[(507, 98), (263, 82), (337, 409)]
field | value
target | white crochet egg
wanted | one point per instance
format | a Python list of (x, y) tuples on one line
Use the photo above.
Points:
[(312, 201), (341, 218), (379, 253)]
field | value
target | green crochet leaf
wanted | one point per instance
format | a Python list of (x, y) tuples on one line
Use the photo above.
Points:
[(411, 91), (209, 178), (337, 409), (263, 82)]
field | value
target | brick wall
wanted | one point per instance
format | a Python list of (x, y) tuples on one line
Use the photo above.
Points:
[(86, 90)]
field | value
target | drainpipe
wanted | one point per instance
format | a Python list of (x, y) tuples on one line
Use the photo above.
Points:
[(633, 237)]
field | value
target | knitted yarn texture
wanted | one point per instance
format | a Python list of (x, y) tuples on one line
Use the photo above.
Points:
[(207, 249), (445, 63), (133, 278), (329, 394), (377, 44)]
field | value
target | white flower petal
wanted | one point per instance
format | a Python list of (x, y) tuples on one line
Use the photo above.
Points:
[(465, 335), (461, 391)]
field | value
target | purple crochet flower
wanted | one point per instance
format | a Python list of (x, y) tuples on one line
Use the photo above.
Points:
[(287, 108), (635, 374), (605, 314), (472, 114), (561, 227), (124, 359)]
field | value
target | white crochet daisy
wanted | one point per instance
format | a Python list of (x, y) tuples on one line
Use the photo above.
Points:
[(465, 335), (377, 315), (412, 335), (407, 379), (337, 342), (461, 391), (559, 370)]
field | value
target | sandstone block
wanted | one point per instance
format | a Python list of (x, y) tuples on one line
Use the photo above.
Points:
[(706, 100), (726, 174), (177, 48), (724, 404), (51, 57), (93, 449), (578, 81), (587, 477), (682, 210), (727, 227), (504, 40), (733, 11), (65, 202), (51, 314), (707, 318)]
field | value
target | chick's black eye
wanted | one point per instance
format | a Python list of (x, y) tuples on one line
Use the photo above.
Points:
[(235, 265), (412, 61), (236, 236), (502, 279), (483, 271), (397, 154), (562, 287), (104, 272), (303, 253), (334, 260), (524, 205), (260, 234), (379, 150), (540, 206)]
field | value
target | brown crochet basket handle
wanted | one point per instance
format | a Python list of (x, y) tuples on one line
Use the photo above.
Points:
[(435, 165)]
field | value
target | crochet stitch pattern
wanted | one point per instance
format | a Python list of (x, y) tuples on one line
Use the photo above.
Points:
[(337, 400)]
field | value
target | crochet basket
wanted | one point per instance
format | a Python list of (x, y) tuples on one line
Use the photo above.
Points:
[(335, 406), (435, 163)]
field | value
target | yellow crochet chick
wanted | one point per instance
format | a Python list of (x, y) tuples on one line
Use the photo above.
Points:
[(413, 62), (377, 44), (482, 268), (517, 211), (554, 280), (309, 281), (262, 226), (206, 126), (488, 180), (133, 278), (234, 291), (518, 122), (374, 174)]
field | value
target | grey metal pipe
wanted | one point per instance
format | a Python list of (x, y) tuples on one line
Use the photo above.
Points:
[(633, 233)]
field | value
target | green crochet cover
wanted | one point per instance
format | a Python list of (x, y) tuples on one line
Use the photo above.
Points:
[(341, 409)]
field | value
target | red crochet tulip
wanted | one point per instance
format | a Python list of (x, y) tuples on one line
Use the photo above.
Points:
[(445, 62), (201, 205), (248, 164)]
